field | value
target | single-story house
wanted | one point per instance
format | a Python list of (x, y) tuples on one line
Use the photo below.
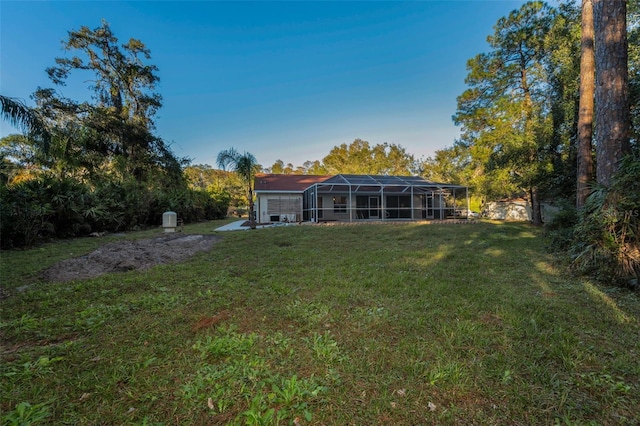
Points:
[(347, 197)]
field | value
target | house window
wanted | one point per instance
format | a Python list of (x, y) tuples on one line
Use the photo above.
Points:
[(339, 204)]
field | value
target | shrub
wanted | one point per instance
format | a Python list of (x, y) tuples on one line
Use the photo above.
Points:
[(606, 236), (560, 229), (63, 208), (43, 207)]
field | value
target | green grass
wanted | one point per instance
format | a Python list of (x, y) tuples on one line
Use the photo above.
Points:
[(365, 324)]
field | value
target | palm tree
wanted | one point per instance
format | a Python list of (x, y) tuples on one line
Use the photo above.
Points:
[(25, 118), (246, 166)]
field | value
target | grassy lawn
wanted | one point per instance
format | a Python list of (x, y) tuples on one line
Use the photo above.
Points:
[(401, 324)]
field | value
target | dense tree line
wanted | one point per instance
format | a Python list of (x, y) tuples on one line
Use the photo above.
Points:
[(358, 157), (551, 113), (92, 166)]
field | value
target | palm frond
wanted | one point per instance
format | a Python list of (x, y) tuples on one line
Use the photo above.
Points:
[(245, 166), (26, 119), (17, 113), (227, 158)]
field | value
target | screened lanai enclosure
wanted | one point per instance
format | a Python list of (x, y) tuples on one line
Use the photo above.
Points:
[(367, 198)]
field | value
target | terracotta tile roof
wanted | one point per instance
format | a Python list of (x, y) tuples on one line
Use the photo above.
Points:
[(294, 183)]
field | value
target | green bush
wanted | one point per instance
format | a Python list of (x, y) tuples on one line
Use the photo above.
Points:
[(22, 218), (560, 229), (605, 241), (41, 208), (205, 207), (49, 207)]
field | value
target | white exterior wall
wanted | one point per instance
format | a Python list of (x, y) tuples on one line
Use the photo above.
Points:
[(328, 207), (517, 210), (287, 206), (511, 210)]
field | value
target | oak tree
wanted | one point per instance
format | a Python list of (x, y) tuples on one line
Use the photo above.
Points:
[(117, 124), (360, 157)]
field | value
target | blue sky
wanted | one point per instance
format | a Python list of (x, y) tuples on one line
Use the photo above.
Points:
[(282, 80)]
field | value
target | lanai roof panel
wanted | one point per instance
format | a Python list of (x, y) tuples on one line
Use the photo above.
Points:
[(383, 180), (299, 183)]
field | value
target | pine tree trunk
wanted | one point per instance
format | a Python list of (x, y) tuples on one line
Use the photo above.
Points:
[(536, 211), (612, 122), (585, 116)]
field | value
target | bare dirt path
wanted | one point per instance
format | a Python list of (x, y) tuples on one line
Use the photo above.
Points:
[(130, 255)]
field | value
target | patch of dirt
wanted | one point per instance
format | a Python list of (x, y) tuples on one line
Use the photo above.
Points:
[(207, 322), (125, 256)]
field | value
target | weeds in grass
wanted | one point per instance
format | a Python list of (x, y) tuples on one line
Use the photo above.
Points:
[(227, 342), (26, 324), (26, 414), (95, 316), (237, 374), (324, 347), (307, 312), (290, 399), (446, 372), (395, 324), (605, 384), (29, 369), (372, 315)]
